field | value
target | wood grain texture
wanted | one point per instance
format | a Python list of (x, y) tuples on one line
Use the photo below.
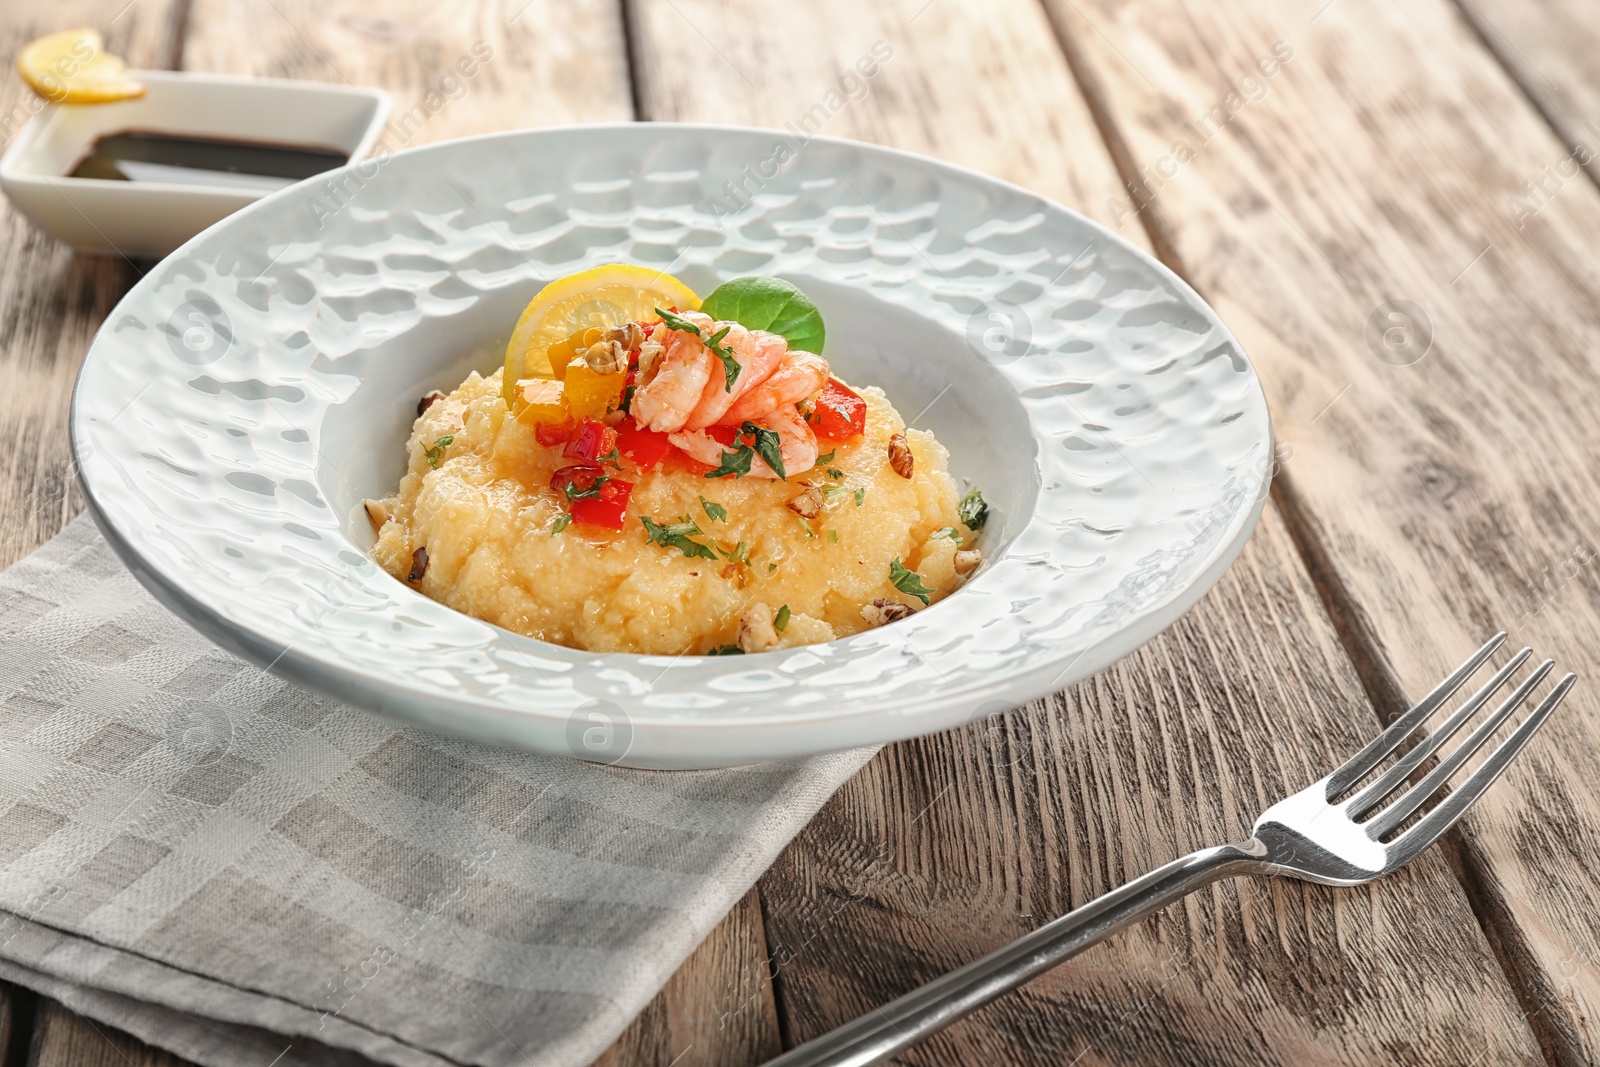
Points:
[(1390, 159), (64, 1039), (950, 845), (982, 85)]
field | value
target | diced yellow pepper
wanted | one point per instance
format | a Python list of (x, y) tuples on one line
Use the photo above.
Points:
[(565, 351), (591, 395), (544, 402)]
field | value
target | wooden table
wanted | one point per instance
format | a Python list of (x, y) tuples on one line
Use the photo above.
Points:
[(1301, 162)]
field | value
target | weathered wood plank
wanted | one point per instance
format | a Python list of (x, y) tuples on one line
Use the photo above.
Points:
[(64, 1039), (948, 846), (1440, 492)]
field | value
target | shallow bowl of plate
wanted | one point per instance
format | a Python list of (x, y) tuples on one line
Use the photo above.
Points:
[(254, 387)]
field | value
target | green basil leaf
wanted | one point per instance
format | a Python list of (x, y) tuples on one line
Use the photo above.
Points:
[(772, 304), (974, 510), (908, 582), (767, 447)]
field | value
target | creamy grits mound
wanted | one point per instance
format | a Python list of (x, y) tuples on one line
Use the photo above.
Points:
[(482, 507)]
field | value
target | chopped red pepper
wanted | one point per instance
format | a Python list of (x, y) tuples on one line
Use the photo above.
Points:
[(592, 442), (597, 499), (551, 434), (644, 448), (840, 413), (723, 435)]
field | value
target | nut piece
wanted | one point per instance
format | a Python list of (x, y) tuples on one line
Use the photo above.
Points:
[(606, 357), (967, 560), (900, 457), (427, 401), (377, 514), (881, 612), (629, 335), (807, 505), (756, 632), (419, 564)]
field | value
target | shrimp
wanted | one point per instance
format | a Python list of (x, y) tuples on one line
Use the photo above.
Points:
[(759, 355), (681, 373), (800, 375), (797, 445)]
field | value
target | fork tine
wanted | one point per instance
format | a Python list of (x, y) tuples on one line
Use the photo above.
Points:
[(1364, 801), (1358, 765), (1417, 795), (1455, 805)]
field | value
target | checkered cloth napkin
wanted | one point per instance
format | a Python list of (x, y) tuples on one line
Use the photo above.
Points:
[(248, 874)]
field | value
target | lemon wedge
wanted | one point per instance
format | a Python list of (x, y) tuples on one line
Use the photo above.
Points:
[(604, 296), (73, 67)]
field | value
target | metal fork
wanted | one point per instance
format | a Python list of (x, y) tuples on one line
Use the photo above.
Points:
[(1310, 835)]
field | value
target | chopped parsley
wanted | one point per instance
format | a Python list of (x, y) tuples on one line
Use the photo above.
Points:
[(677, 535), (948, 531), (714, 511), (780, 621), (835, 472), (730, 365), (735, 464), (612, 458), (908, 582), (726, 650), (767, 447), (740, 553), (833, 537), (593, 492), (437, 451), (974, 510), (561, 523), (827, 459), (771, 567), (831, 491), (861, 494)]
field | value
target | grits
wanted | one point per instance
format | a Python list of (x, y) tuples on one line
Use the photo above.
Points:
[(482, 507)]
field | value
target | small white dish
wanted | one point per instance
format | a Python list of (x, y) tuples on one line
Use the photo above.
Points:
[(255, 386), (151, 218)]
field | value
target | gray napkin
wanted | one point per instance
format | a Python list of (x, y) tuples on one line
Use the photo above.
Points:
[(241, 872)]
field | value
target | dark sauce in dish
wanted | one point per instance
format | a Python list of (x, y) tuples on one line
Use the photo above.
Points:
[(187, 159)]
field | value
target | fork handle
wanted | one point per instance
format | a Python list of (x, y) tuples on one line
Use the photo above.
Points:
[(929, 1009)]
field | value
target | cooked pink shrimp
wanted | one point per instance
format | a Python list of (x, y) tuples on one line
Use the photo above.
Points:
[(758, 353), (797, 445), (681, 374), (800, 375)]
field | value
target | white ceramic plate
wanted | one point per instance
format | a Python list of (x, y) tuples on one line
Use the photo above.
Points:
[(255, 386)]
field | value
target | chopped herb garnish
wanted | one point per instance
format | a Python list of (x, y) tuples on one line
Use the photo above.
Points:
[(833, 537), (948, 531), (974, 510), (735, 463), (831, 491), (593, 492), (780, 621), (726, 650), (740, 553), (714, 511), (771, 567), (806, 526), (835, 472), (437, 450), (561, 523), (612, 457), (861, 494), (677, 535), (627, 398), (908, 582), (767, 447), (827, 458), (730, 365)]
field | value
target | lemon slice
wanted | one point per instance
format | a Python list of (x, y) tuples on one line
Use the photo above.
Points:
[(604, 296), (73, 67)]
